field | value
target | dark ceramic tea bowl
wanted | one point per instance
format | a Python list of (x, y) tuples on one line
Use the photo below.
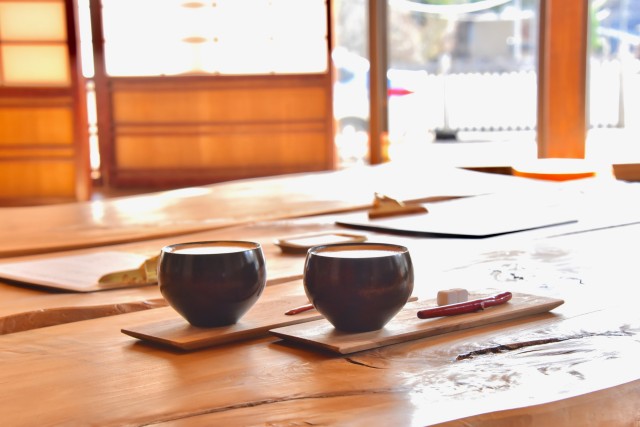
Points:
[(212, 283), (358, 287)]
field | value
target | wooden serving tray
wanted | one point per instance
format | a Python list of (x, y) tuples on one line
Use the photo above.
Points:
[(406, 326), (171, 329)]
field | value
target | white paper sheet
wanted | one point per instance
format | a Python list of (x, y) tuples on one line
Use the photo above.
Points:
[(71, 272)]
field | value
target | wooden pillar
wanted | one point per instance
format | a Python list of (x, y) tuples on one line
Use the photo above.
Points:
[(562, 78), (103, 96), (378, 119), (79, 95)]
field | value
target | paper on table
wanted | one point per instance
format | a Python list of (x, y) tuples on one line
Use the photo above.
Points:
[(79, 273), (473, 217)]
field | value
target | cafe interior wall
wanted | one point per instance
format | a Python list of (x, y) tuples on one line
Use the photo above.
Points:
[(41, 159), (268, 122)]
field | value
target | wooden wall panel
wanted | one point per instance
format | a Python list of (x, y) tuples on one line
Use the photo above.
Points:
[(210, 104), (37, 157), (260, 149), (36, 125), (178, 131), (31, 179)]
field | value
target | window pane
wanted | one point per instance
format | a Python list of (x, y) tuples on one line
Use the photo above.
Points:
[(351, 85), (462, 71), (154, 37), (614, 73), (35, 21), (35, 65), (86, 39), (459, 71)]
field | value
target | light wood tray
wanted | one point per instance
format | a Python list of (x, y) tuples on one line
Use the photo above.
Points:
[(406, 326), (170, 329)]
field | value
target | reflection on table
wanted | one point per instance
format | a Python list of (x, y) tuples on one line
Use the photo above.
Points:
[(574, 365)]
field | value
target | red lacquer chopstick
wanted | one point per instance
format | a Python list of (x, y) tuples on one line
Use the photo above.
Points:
[(300, 309), (465, 307)]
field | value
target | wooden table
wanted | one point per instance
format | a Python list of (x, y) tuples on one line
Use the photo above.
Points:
[(577, 365), (42, 229), (24, 307)]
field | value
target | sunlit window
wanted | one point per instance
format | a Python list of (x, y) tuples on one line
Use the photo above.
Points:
[(33, 44), (465, 72), (458, 71), (169, 37), (470, 69), (614, 72)]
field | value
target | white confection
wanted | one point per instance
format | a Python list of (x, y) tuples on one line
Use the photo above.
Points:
[(452, 296)]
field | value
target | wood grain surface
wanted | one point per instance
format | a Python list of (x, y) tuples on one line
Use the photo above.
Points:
[(23, 306), (170, 329), (405, 326), (577, 365), (41, 229), (111, 380)]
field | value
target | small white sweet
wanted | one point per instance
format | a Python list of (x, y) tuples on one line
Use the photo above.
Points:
[(452, 296)]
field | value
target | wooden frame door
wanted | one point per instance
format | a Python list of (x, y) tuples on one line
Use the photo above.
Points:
[(197, 128), (43, 127)]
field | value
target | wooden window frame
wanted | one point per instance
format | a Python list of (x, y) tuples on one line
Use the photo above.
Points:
[(114, 176), (562, 78), (71, 97)]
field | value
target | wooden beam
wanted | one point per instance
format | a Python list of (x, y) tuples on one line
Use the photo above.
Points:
[(103, 98), (378, 118), (78, 87), (562, 78)]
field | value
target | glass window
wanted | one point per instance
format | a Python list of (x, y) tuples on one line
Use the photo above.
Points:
[(614, 74), (169, 37), (351, 81), (36, 21), (33, 47), (461, 71), (34, 65), (458, 71)]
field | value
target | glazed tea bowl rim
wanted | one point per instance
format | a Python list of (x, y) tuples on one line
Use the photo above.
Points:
[(242, 245), (394, 248)]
